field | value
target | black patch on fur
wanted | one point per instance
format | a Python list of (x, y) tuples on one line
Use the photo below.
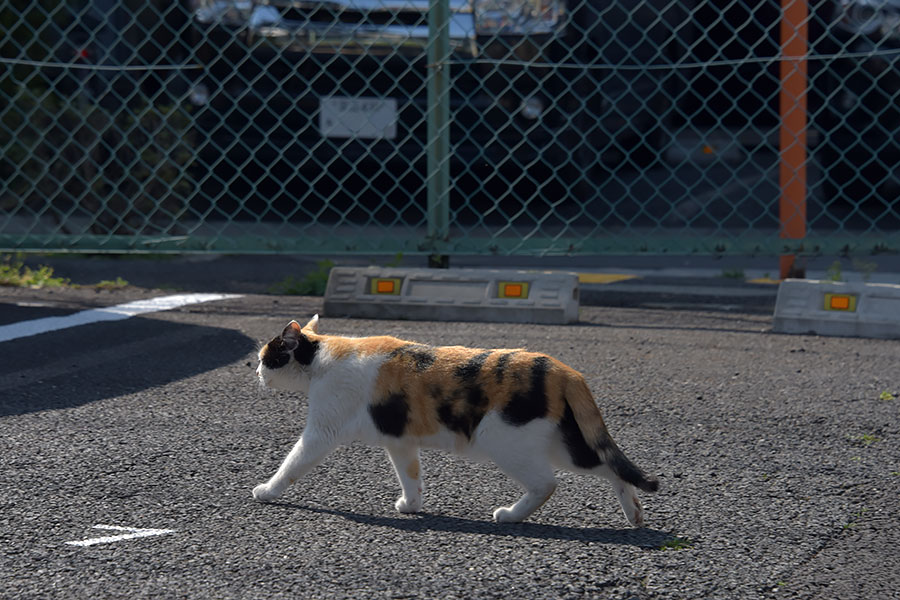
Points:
[(464, 409), (582, 455), (500, 367), (468, 372), (305, 352), (585, 457), (464, 423), (422, 356), (628, 471), (532, 404), (276, 354), (476, 399), (473, 410), (391, 414)]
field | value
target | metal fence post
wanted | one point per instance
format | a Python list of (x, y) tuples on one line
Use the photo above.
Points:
[(792, 139), (438, 149)]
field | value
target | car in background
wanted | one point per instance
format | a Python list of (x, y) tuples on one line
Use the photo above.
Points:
[(308, 106), (853, 97), (859, 151), (117, 33)]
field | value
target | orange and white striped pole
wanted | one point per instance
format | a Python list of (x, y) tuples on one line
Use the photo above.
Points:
[(792, 136)]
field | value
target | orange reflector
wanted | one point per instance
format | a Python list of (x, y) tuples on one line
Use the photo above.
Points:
[(842, 302), (385, 285), (512, 289)]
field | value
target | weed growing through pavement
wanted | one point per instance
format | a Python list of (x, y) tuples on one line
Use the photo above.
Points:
[(834, 273), (396, 261), (315, 282), (866, 439), (311, 284), (855, 519), (116, 284), (865, 267), (13, 272), (676, 542), (886, 396)]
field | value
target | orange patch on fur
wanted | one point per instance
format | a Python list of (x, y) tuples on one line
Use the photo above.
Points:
[(412, 469), (432, 378), (341, 347)]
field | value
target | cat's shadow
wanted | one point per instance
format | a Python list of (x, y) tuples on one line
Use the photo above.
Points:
[(423, 521)]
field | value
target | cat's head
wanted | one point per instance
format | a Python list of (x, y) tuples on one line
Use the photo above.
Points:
[(284, 362)]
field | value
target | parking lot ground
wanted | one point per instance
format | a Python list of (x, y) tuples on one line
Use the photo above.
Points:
[(777, 455)]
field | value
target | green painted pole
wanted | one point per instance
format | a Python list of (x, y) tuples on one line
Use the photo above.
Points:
[(438, 149)]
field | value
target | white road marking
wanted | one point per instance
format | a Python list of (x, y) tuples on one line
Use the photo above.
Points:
[(109, 313), (133, 533)]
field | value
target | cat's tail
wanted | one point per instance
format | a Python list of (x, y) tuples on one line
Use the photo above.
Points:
[(593, 429)]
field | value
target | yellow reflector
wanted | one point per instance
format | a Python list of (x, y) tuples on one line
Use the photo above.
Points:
[(512, 289), (842, 302), (387, 285)]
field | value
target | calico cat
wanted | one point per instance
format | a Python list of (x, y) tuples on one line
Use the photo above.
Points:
[(527, 412)]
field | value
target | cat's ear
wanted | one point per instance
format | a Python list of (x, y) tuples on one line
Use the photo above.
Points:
[(313, 324), (291, 335)]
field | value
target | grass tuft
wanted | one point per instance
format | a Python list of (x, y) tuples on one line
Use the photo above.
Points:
[(866, 439), (676, 542), (117, 284), (14, 273), (311, 284)]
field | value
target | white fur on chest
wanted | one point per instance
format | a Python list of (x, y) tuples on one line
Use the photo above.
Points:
[(340, 392)]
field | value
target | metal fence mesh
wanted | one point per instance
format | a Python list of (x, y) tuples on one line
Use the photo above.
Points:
[(476, 126)]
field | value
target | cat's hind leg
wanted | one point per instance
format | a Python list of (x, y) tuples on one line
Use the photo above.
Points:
[(631, 504), (309, 451), (539, 482), (521, 453), (405, 458), (588, 462)]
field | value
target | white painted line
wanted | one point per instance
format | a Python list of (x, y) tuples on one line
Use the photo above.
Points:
[(132, 533), (109, 313)]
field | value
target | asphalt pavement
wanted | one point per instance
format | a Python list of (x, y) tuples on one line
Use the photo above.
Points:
[(777, 454)]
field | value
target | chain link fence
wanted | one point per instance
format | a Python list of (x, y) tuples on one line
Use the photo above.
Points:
[(456, 126)]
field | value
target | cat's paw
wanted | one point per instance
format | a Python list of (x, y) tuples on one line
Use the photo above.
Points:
[(635, 513), (505, 514), (264, 493), (408, 505)]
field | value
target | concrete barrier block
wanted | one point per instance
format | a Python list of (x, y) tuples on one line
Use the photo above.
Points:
[(514, 296), (850, 309)]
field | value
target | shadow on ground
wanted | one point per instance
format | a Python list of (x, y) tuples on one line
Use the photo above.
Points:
[(421, 522), (76, 364)]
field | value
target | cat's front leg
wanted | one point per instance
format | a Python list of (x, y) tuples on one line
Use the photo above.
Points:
[(405, 459), (309, 451)]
